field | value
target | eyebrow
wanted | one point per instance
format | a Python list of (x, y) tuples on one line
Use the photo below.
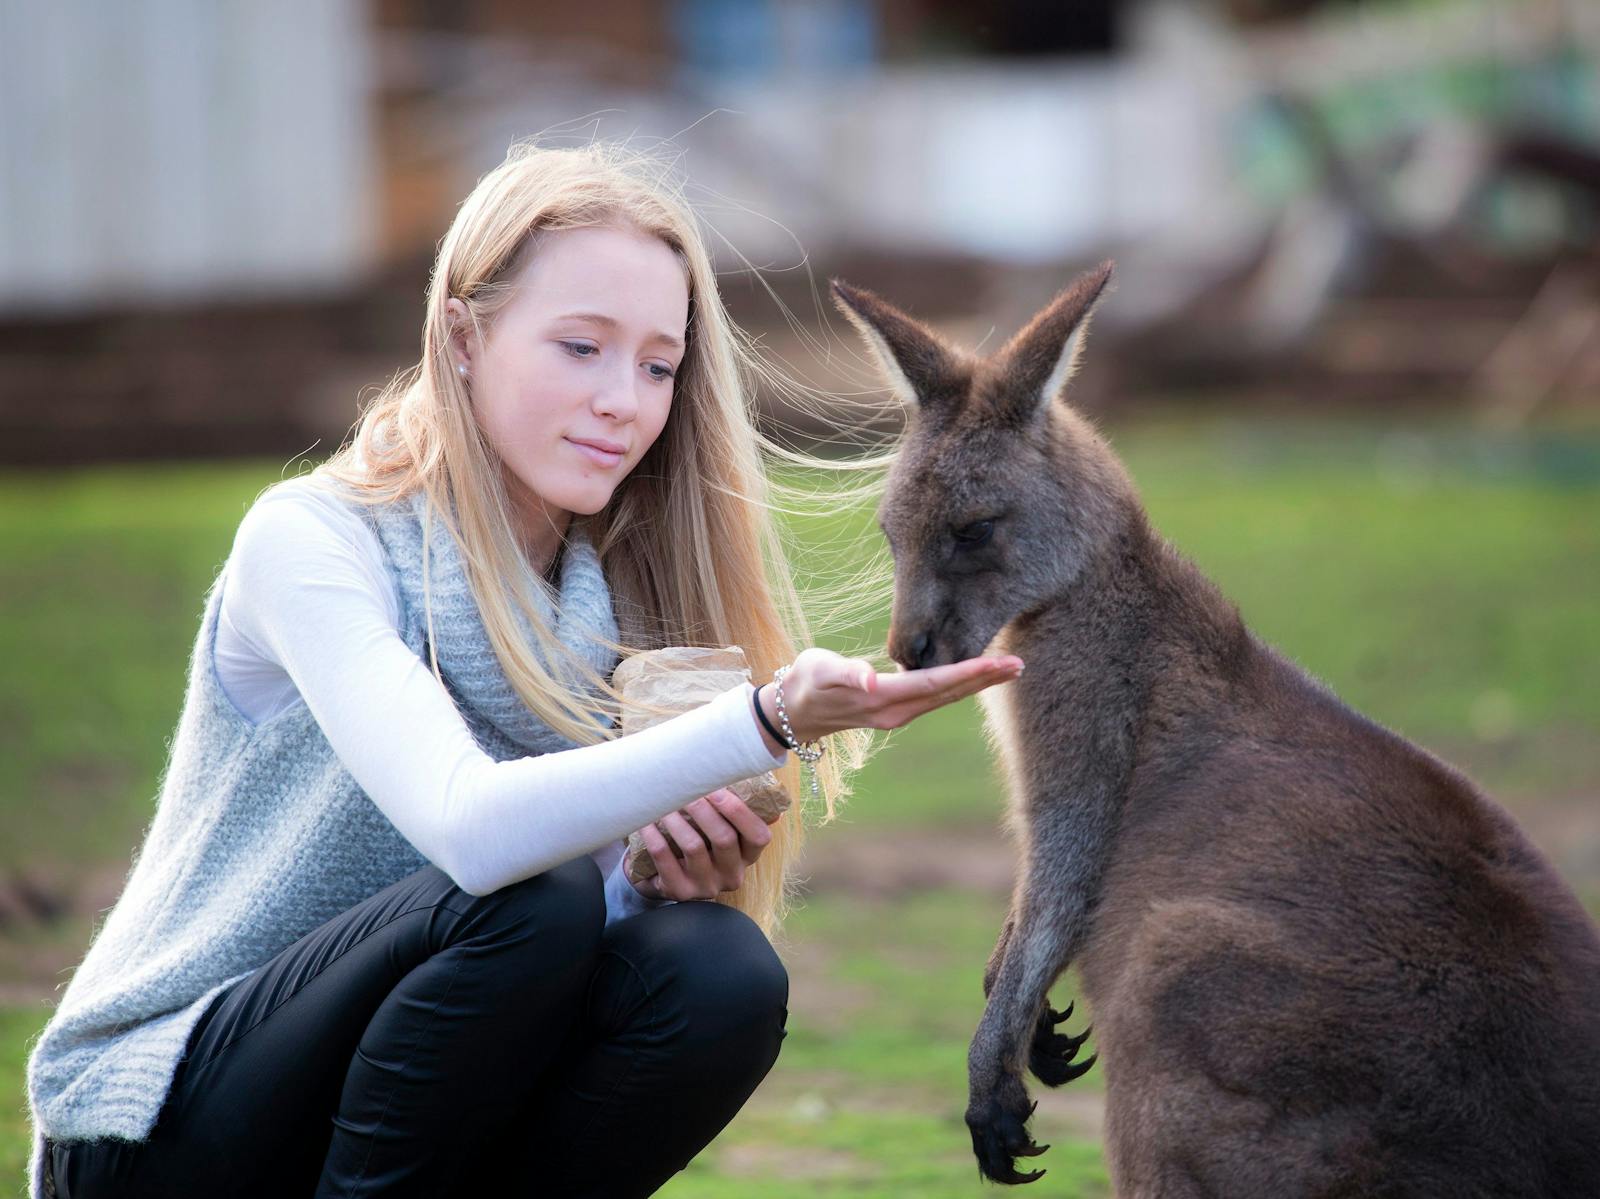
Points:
[(608, 322)]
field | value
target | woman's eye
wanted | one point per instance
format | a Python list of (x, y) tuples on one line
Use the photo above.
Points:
[(659, 372), (580, 349), (974, 534)]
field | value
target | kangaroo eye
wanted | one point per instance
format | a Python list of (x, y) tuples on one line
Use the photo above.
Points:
[(974, 534)]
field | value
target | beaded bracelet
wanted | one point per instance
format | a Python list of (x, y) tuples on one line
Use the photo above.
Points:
[(809, 753)]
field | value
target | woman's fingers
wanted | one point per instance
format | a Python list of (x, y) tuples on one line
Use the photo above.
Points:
[(675, 877), (724, 838), (718, 836), (754, 835), (687, 876), (670, 881), (945, 684), (711, 859), (855, 673), (953, 677), (899, 698), (721, 837)]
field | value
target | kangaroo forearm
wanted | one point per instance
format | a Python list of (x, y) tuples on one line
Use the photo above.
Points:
[(1069, 840), (996, 957)]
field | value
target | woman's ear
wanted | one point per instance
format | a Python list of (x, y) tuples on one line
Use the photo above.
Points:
[(460, 341)]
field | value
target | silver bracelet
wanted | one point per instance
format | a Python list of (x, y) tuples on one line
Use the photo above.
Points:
[(809, 753)]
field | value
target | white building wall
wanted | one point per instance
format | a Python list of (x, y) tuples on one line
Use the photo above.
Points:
[(1019, 163), (155, 150)]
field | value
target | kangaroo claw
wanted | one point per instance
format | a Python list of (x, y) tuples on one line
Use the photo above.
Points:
[(999, 1136), (1081, 1068), (1051, 1055)]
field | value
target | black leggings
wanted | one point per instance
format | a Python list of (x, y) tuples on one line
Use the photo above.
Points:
[(430, 1042)]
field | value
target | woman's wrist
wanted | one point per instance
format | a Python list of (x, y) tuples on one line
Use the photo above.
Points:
[(766, 714), (809, 752)]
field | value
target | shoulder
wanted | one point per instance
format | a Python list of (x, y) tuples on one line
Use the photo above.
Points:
[(304, 530), (306, 507), (315, 496)]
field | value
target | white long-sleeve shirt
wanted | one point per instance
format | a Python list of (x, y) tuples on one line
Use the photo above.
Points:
[(310, 613)]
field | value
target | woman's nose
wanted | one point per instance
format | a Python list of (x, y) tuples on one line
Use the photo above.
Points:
[(615, 397)]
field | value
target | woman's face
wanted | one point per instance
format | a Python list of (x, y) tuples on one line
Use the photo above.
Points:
[(574, 377)]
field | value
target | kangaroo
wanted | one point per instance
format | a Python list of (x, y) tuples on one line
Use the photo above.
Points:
[(1321, 961)]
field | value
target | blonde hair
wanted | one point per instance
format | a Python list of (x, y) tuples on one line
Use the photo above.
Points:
[(688, 541)]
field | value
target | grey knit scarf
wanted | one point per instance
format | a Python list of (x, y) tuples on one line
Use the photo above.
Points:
[(494, 711)]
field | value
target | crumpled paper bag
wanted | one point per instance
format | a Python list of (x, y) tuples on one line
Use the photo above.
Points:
[(679, 678)]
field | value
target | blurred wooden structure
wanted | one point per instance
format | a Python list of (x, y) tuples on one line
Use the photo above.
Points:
[(204, 252)]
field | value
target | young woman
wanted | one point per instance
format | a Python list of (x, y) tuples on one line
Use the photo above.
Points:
[(378, 939)]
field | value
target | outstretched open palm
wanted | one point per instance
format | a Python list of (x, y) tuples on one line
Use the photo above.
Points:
[(826, 692)]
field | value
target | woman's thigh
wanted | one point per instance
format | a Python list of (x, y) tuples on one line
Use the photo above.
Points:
[(252, 1104)]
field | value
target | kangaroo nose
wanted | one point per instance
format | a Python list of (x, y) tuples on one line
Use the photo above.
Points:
[(915, 653), (922, 649)]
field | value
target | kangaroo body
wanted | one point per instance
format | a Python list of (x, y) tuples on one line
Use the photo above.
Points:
[(1321, 961)]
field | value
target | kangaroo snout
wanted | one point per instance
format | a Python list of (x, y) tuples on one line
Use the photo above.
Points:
[(933, 641), (915, 651)]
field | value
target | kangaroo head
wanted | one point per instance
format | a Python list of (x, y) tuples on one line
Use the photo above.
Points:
[(999, 493)]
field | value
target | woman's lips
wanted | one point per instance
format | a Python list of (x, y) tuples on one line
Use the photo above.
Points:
[(597, 456)]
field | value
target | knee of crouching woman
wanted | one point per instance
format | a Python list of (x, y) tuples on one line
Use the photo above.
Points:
[(562, 908), (735, 987)]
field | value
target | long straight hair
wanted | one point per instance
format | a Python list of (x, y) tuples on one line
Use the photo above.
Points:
[(688, 541)]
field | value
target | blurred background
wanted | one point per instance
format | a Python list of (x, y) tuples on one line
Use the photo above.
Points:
[(1352, 356)]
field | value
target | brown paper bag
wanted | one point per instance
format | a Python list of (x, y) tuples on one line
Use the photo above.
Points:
[(679, 678)]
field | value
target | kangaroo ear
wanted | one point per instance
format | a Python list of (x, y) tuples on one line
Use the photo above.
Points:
[(1040, 359), (919, 368)]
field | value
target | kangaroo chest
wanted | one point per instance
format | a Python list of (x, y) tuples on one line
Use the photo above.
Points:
[(1064, 731)]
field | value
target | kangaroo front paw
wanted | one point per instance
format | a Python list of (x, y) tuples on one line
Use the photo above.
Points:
[(1050, 1056), (997, 1122)]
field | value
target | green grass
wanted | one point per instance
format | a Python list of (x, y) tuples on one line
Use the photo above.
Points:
[(102, 574), (869, 1100), (800, 1154), (17, 1028), (1443, 582)]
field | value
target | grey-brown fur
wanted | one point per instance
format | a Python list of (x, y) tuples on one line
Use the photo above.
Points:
[(1321, 961)]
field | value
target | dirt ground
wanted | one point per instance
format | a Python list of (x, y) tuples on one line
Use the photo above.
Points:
[(885, 863)]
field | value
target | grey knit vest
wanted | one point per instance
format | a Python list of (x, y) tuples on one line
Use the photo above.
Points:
[(260, 835)]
